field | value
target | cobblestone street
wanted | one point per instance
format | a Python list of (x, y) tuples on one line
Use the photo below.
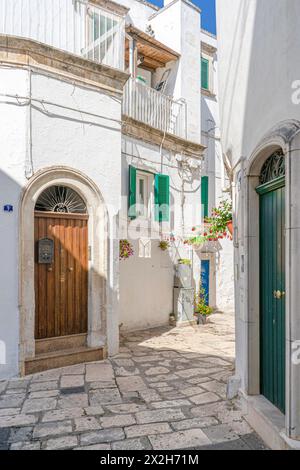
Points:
[(166, 389)]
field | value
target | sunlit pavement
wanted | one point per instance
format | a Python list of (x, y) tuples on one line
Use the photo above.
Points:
[(166, 389)]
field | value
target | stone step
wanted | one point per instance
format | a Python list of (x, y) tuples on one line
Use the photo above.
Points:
[(60, 343), (63, 358)]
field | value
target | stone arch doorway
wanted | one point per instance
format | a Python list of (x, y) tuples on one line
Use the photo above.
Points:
[(64, 210), (271, 192)]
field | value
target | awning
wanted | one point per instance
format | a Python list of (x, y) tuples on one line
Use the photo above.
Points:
[(154, 53)]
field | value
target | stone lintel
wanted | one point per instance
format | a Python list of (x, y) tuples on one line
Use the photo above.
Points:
[(141, 131), (27, 52)]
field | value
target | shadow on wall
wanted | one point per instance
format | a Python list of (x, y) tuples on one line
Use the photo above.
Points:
[(10, 196), (11, 319), (233, 68), (271, 85)]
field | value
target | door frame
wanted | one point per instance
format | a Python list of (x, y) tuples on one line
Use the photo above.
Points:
[(283, 136), (252, 258), (98, 259)]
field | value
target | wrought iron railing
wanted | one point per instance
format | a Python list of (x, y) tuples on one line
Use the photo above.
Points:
[(151, 107), (75, 26)]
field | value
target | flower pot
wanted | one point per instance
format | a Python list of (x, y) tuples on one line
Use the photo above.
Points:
[(201, 319), (230, 227)]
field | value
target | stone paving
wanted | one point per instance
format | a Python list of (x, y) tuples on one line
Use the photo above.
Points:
[(166, 389)]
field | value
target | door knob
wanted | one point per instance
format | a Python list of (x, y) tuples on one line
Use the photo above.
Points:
[(71, 269), (278, 294)]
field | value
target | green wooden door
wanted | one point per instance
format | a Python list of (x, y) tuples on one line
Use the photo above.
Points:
[(272, 292)]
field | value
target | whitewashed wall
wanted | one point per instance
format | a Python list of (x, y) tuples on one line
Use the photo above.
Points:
[(213, 167), (61, 24), (14, 140), (255, 94), (258, 43), (57, 23), (139, 12), (62, 134), (146, 284), (178, 26)]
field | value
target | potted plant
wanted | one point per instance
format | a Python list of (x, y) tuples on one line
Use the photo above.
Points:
[(126, 249), (164, 245), (202, 310), (172, 319), (185, 261), (230, 227), (216, 227)]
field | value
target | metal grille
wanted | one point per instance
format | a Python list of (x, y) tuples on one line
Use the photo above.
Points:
[(60, 199), (273, 168)]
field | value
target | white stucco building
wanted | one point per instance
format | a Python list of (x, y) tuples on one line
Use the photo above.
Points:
[(259, 102), (214, 180), (101, 139)]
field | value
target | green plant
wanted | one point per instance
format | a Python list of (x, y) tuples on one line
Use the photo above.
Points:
[(201, 307), (126, 249), (215, 226), (164, 245), (185, 261)]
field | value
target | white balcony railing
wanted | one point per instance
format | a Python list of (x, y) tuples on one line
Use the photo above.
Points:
[(75, 26), (151, 107)]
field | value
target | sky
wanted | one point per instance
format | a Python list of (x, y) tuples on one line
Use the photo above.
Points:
[(208, 13)]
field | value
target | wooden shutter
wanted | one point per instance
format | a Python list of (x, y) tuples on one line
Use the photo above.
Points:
[(204, 195), (162, 198), (132, 193), (204, 73)]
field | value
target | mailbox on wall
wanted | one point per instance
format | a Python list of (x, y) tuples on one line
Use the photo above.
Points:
[(45, 251)]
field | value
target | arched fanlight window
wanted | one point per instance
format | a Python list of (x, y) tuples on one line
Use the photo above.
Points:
[(60, 199), (273, 168)]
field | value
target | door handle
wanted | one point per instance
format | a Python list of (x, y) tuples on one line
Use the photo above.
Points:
[(71, 269), (278, 294)]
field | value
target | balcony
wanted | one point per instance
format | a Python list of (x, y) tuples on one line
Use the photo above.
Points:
[(148, 95), (74, 26), (145, 104)]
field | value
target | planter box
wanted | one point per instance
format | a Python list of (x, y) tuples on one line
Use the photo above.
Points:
[(184, 305), (230, 227), (183, 276)]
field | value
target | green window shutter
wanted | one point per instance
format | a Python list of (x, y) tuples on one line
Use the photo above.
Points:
[(204, 73), (204, 195), (162, 198), (132, 193)]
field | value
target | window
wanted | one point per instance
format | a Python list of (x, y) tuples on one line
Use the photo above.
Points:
[(144, 194), (103, 36), (204, 73), (148, 191)]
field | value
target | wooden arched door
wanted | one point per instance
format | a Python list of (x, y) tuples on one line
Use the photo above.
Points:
[(61, 264)]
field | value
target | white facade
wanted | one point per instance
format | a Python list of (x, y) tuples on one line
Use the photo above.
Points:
[(68, 119), (222, 295), (71, 26), (259, 102), (51, 121), (147, 279)]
